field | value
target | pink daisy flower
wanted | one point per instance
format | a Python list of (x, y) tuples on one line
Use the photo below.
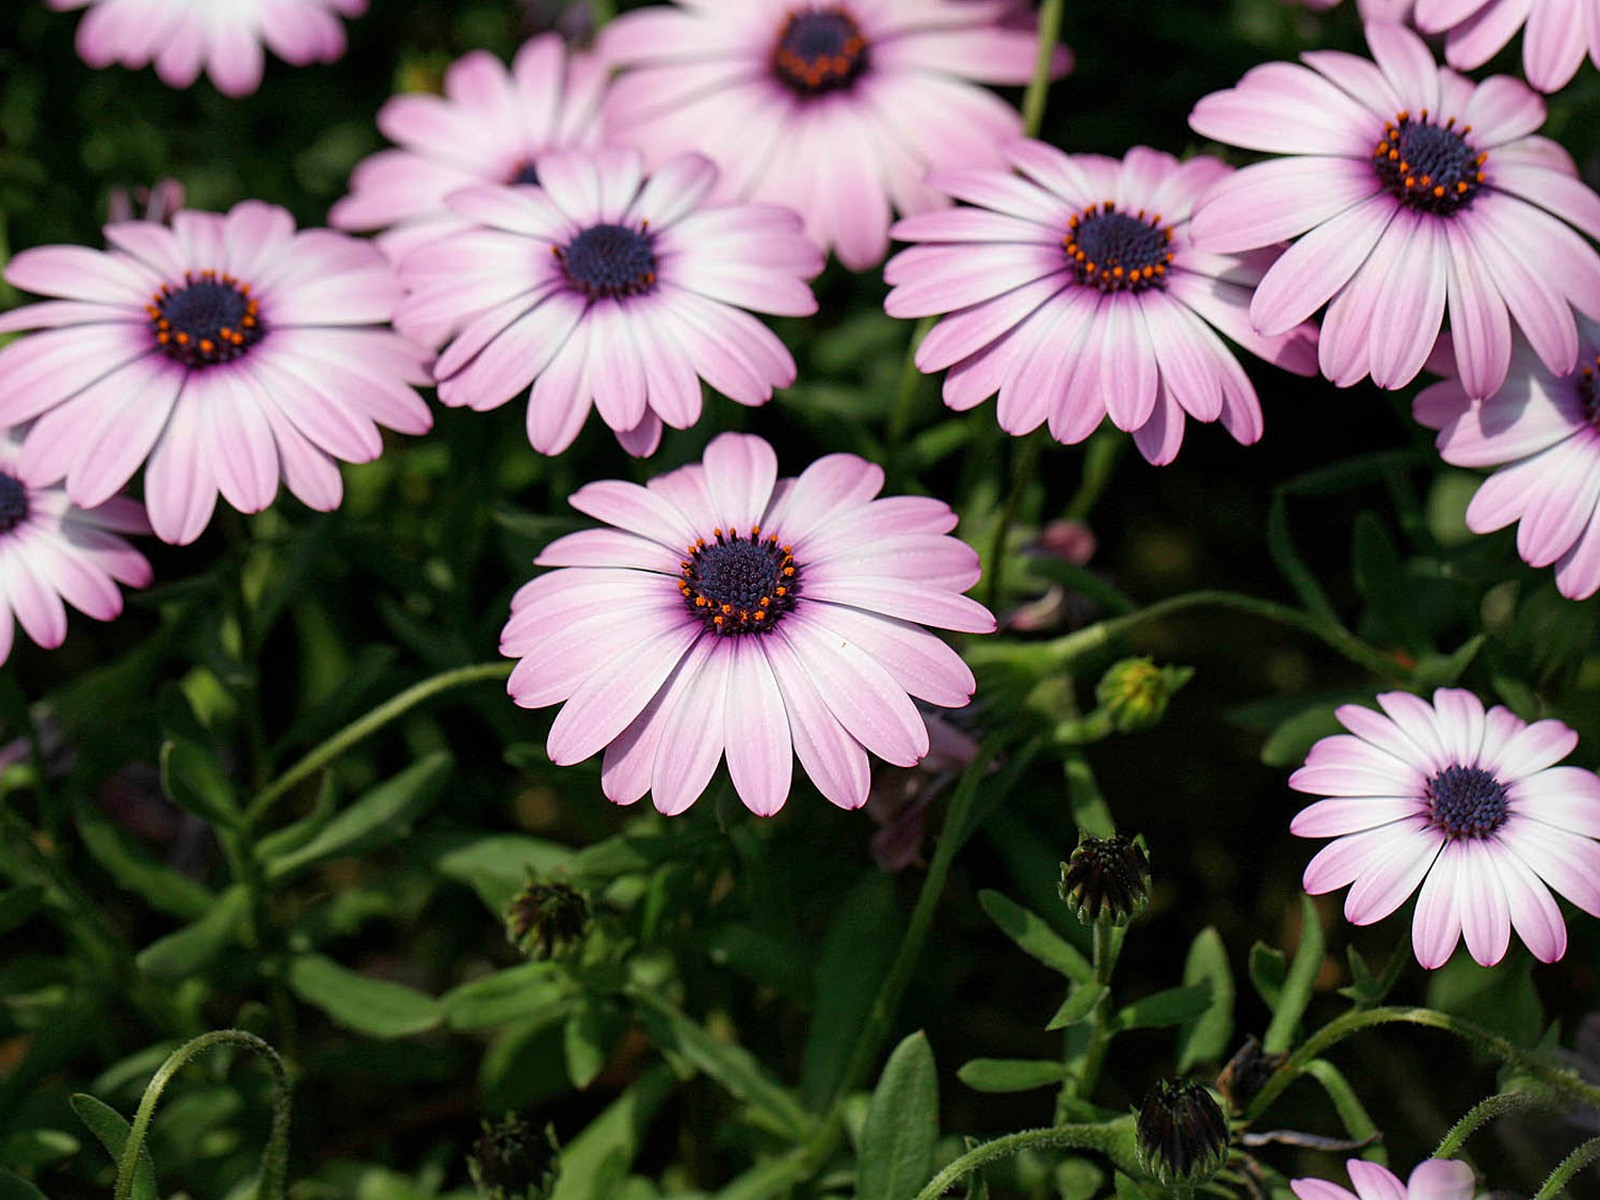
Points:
[(1552, 48), (1076, 293), (1435, 1179), (835, 109), (604, 287), (53, 551), (1370, 10), (1412, 193), (1544, 431), (222, 36), (1468, 804), (228, 350), (728, 611), (488, 127)]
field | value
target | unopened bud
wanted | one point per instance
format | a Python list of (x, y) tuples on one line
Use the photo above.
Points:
[(513, 1161), (1182, 1134), (1134, 693), (545, 919), (1106, 879)]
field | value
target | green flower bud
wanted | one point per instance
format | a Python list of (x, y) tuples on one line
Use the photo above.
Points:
[(1106, 879), (544, 919), (512, 1161), (1133, 694), (1182, 1135)]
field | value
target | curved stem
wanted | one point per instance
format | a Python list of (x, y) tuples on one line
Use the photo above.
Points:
[(1565, 1082), (274, 1163), (1568, 1167), (1022, 475), (1039, 85), (1480, 1114), (367, 725), (1337, 637), (1103, 1138)]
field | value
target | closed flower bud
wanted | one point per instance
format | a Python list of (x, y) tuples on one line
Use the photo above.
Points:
[(1133, 694), (1106, 879), (544, 919), (513, 1161), (1246, 1073), (1182, 1135)]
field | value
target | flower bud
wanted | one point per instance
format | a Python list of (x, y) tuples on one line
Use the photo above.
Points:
[(1134, 693), (1182, 1135), (545, 919), (1106, 879), (1246, 1073), (511, 1161)]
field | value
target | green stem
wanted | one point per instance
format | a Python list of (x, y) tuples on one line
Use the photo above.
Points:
[(1107, 1139), (1107, 946), (1102, 634), (1480, 1114), (1022, 475), (905, 396), (367, 725), (249, 661), (274, 1163), (1039, 86), (1568, 1167), (1565, 1082)]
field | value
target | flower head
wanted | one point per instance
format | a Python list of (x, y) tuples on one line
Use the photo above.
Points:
[(1182, 1133), (1413, 194), (728, 611), (1076, 293), (1370, 10), (1106, 879), (1465, 803), (1558, 32), (1543, 433), (224, 37), (1133, 693), (226, 350), (545, 918), (836, 109), (604, 287), (53, 551), (1435, 1179), (488, 127), (513, 1161)]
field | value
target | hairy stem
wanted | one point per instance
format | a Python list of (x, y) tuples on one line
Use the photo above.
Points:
[(1568, 1167), (1107, 1139), (1481, 1114)]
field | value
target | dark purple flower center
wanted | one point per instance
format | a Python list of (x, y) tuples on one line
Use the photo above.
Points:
[(1589, 392), (819, 50), (739, 584), (209, 318), (1429, 167), (526, 173), (1466, 802), (13, 502), (1117, 251), (606, 261)]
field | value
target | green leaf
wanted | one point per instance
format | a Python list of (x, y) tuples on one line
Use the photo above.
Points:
[(18, 904), (382, 815), (1345, 1102), (587, 1037), (516, 994), (137, 871), (181, 954), (193, 779), (1269, 967), (376, 1007), (30, 1149), (1297, 985), (1291, 739), (1205, 1038), (1079, 1179), (1011, 1074), (14, 1187), (1172, 1006), (774, 1178), (1502, 999), (594, 1164), (1446, 670), (108, 1125), (1280, 545), (1078, 1005), (902, 1125), (1380, 576), (1035, 938), (497, 865), (291, 837)]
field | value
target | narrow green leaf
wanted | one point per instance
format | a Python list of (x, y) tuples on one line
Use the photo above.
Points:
[(382, 815), (1078, 1005), (1079, 1179), (193, 779), (1172, 1006), (594, 1164), (1297, 985), (1357, 1123), (587, 1038), (516, 994), (1446, 670), (902, 1125), (108, 1125), (291, 837), (181, 954), (1292, 738), (1380, 576), (1035, 938), (1280, 545), (1206, 1037), (376, 1007), (1011, 1074), (774, 1178), (1269, 967), (496, 865), (137, 871)]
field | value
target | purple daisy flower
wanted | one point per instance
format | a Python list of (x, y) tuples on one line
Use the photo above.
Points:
[(728, 611), (1558, 33), (604, 287), (1544, 431), (228, 350), (488, 127), (1468, 804), (222, 36), (53, 551), (1435, 1179), (1412, 193), (835, 109), (1076, 293), (1371, 10)]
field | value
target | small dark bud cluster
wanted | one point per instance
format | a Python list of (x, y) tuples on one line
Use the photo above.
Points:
[(1182, 1134), (1246, 1073), (513, 1161), (545, 919), (1106, 879)]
